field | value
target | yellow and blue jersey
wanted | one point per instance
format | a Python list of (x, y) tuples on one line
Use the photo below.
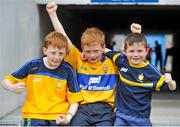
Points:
[(134, 91), (49, 91), (97, 81)]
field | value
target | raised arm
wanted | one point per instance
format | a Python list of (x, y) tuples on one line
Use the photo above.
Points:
[(135, 28), (51, 9)]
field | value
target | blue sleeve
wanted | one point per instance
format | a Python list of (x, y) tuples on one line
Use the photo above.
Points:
[(111, 54), (72, 81), (22, 72)]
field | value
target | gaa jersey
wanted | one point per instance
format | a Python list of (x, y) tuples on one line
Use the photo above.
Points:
[(49, 91), (134, 91), (97, 81)]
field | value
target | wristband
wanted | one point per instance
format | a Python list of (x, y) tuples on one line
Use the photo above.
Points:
[(69, 116)]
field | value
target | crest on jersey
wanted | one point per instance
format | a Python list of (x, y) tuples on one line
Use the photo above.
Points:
[(141, 77), (58, 85), (105, 68)]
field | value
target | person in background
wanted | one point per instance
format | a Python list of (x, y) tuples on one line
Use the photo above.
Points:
[(158, 55)]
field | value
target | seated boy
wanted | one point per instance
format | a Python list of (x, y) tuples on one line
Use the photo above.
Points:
[(97, 76)]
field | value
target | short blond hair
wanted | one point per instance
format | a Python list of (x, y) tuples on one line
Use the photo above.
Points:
[(92, 35), (135, 38)]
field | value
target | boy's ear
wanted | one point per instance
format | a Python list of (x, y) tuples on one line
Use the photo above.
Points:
[(44, 50), (123, 50), (104, 46), (83, 57), (147, 50)]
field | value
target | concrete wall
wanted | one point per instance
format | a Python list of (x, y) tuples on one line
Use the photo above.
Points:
[(20, 41)]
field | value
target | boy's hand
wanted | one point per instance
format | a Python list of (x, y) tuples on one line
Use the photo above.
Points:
[(168, 78), (136, 28), (171, 83), (51, 7), (18, 88), (62, 120)]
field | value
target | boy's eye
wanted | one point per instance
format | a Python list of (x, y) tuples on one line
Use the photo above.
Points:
[(61, 53), (87, 51), (96, 51), (140, 50), (131, 51), (53, 53)]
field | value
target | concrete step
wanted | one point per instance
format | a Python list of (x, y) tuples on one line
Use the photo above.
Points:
[(165, 111)]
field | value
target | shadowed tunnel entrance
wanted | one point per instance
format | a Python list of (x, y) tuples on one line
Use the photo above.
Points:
[(117, 19)]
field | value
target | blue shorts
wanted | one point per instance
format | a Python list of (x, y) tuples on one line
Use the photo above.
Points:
[(39, 122), (122, 119), (94, 114)]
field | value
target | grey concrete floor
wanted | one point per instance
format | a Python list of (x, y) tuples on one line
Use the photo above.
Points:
[(165, 111)]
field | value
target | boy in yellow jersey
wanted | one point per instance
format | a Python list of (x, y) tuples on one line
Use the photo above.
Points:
[(52, 89), (97, 76)]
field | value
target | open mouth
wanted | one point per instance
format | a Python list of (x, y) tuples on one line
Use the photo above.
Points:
[(135, 59), (93, 60), (55, 62)]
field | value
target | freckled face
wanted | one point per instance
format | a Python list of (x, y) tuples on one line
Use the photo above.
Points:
[(54, 56), (93, 53)]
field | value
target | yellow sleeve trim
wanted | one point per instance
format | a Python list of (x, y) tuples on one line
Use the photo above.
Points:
[(14, 80), (74, 97), (115, 57), (134, 83), (160, 83)]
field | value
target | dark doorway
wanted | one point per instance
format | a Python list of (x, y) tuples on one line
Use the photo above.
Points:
[(117, 19)]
